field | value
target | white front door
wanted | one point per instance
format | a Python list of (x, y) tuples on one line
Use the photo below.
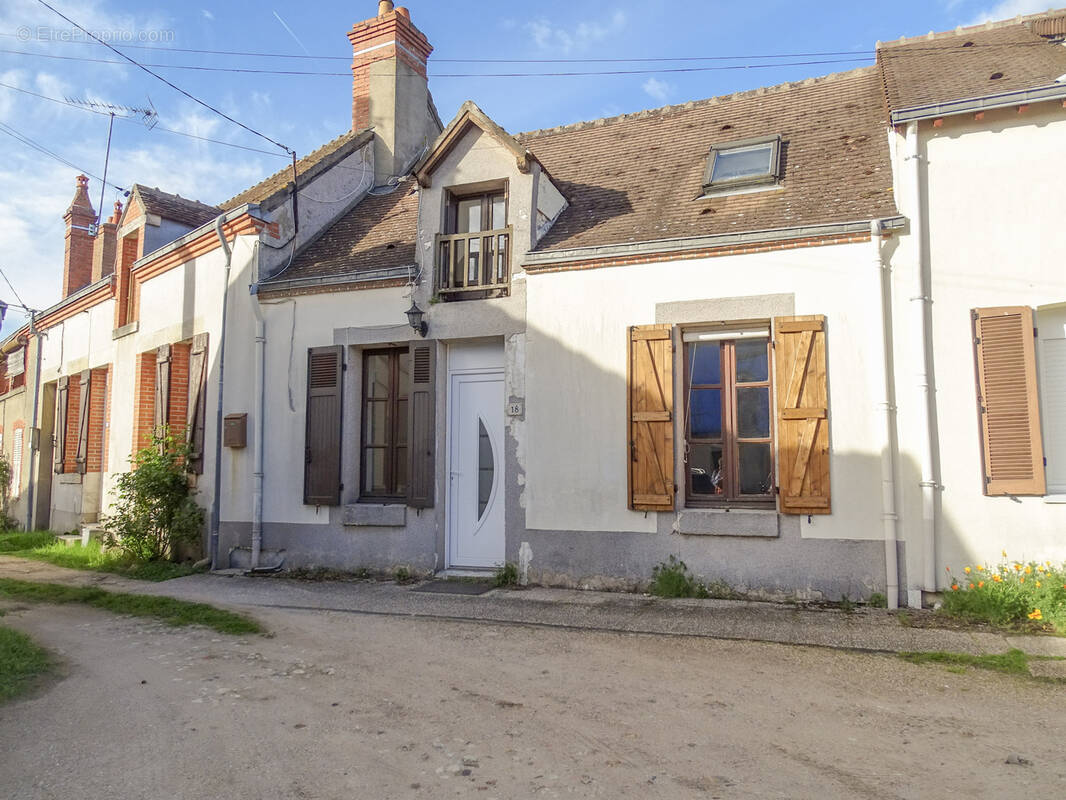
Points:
[(475, 457)]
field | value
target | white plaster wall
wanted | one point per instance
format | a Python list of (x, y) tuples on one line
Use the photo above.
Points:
[(576, 353), (995, 211)]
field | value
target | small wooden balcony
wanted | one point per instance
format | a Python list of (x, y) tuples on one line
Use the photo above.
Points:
[(474, 265)]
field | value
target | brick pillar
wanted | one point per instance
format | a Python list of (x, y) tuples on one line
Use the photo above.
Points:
[(98, 400), (179, 390), (70, 453), (105, 246), (78, 249), (144, 401)]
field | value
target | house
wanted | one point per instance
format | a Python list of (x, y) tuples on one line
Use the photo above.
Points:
[(782, 334)]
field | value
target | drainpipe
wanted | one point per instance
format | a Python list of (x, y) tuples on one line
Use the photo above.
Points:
[(34, 451), (921, 304), (216, 501), (888, 410), (258, 410)]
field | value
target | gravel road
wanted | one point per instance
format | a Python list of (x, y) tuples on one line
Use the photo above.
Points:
[(341, 705)]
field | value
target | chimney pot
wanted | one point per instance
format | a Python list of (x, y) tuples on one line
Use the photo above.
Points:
[(403, 12), (117, 214), (83, 182), (384, 7)]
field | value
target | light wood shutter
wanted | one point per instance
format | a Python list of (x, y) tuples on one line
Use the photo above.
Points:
[(1012, 449), (802, 415), (197, 409), (81, 454), (421, 425), (60, 435), (162, 389), (322, 450), (650, 412)]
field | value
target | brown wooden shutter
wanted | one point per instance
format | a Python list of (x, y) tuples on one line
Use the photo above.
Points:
[(82, 451), (1012, 449), (162, 389), (650, 412), (60, 434), (197, 408), (802, 415), (421, 425), (322, 450)]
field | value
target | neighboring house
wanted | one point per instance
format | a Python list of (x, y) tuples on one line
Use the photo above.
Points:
[(18, 354)]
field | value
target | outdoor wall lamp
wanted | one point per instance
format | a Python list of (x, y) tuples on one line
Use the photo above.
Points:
[(415, 318)]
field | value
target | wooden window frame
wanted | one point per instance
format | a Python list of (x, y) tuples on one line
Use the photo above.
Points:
[(393, 456), (730, 440), (450, 284)]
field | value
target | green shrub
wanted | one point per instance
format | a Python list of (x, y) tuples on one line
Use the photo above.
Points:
[(1009, 593), (155, 510), (507, 575), (878, 600), (6, 522), (671, 578)]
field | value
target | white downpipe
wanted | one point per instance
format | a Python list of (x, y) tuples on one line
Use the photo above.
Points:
[(216, 501), (258, 406), (888, 462), (921, 304)]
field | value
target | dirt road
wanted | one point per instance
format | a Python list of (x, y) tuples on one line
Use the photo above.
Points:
[(338, 705)]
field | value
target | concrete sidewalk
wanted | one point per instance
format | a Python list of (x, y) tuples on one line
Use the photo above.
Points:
[(867, 629)]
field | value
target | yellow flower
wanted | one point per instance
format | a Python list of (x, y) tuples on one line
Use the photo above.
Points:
[(1038, 584), (1036, 615), (998, 579), (1017, 567), (966, 570), (1028, 571), (1004, 553)]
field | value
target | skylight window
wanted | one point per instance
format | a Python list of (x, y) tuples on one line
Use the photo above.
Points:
[(737, 165)]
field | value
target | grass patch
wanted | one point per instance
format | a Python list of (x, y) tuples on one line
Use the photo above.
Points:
[(165, 609), (43, 546), (671, 578), (22, 664), (1012, 594), (506, 575), (1013, 662)]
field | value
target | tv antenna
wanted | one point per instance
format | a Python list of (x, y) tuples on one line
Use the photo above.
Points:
[(148, 116)]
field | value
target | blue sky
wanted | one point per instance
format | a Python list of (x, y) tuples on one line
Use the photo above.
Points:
[(302, 112)]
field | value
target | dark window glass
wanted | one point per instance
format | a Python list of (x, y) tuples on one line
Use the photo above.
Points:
[(386, 386)]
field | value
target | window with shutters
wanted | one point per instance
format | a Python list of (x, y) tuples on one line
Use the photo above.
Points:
[(386, 390), (728, 426), (322, 445)]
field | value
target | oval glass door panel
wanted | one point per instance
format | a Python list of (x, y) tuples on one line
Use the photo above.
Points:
[(486, 469)]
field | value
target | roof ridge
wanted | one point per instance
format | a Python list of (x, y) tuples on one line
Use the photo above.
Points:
[(709, 101), (1019, 20), (144, 187)]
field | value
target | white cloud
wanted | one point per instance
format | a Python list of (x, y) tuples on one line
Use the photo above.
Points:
[(1007, 9), (207, 14), (548, 35), (659, 90)]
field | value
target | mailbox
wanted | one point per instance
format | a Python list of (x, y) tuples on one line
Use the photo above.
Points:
[(235, 430)]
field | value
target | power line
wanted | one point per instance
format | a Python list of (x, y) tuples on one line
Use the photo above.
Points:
[(12, 288), (567, 74), (123, 119), (40, 148), (164, 80)]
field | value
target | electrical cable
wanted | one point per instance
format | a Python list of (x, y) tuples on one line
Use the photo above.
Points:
[(164, 80), (126, 119), (14, 134)]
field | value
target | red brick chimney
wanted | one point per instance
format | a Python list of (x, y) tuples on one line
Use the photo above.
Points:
[(78, 253), (105, 244), (390, 91)]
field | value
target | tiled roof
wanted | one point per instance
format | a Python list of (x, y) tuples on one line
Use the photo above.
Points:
[(637, 178), (308, 166), (175, 207), (378, 233), (971, 62)]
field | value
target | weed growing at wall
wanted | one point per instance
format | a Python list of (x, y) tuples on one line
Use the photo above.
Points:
[(1010, 593), (671, 578), (507, 575), (155, 510)]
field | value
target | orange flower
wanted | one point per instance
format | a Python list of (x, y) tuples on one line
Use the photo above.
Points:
[(947, 569), (980, 584), (1028, 570), (1023, 579), (954, 587), (1017, 567), (1036, 614), (971, 585)]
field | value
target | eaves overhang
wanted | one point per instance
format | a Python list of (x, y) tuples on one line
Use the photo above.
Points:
[(546, 258), (324, 281), (1055, 91)]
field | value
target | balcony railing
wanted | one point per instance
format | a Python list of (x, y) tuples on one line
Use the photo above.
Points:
[(474, 264)]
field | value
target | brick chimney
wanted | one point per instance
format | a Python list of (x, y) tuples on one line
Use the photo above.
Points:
[(105, 244), (78, 252), (390, 89)]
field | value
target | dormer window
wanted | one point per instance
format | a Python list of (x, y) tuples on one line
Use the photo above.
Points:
[(474, 251), (736, 166)]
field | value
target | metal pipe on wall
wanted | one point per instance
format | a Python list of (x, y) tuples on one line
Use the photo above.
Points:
[(216, 501)]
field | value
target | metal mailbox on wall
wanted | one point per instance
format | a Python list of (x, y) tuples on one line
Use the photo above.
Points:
[(235, 430)]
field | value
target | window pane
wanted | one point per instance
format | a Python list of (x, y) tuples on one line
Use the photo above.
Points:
[(374, 479), (403, 360), (705, 414), (499, 212), (755, 474), (485, 469), (377, 376), (474, 259), (502, 248), (376, 423), (459, 267), (445, 263), (753, 412), (469, 217), (744, 163), (752, 362), (706, 361), (705, 469)]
